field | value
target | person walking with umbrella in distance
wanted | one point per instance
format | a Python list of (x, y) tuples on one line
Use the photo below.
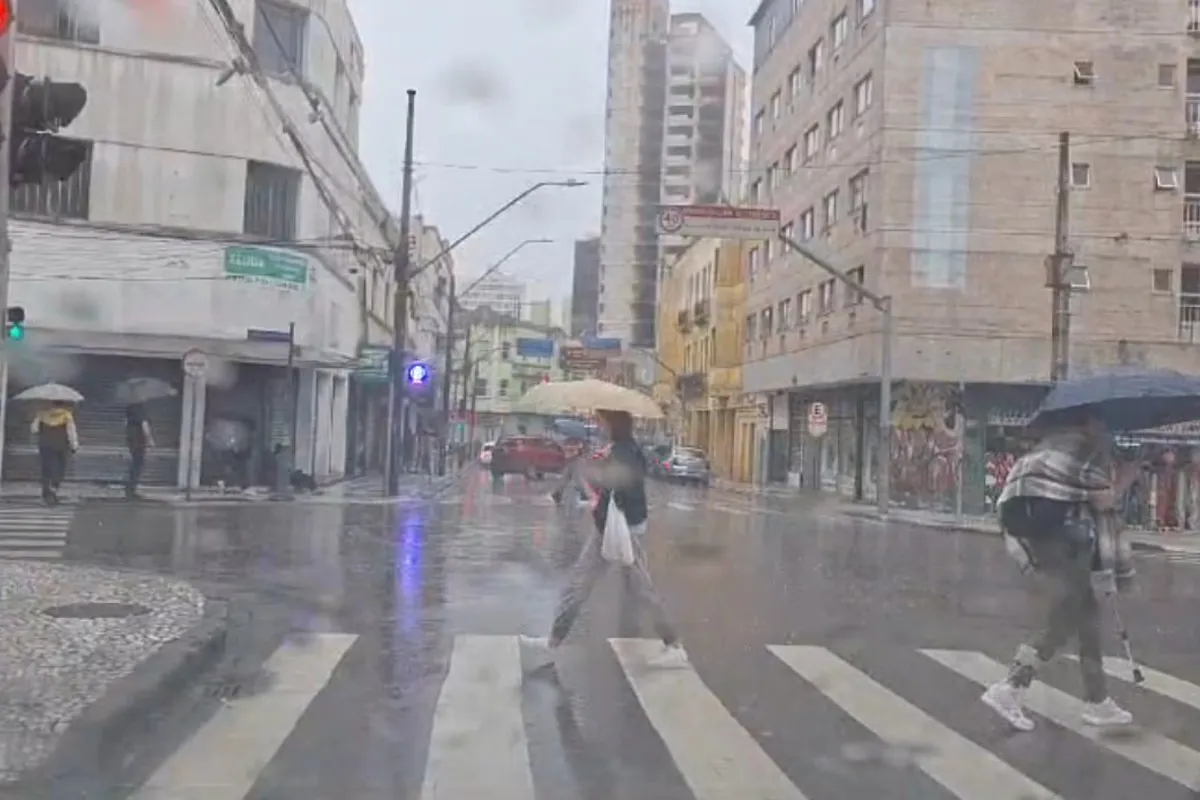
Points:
[(620, 477), (139, 437), (57, 438)]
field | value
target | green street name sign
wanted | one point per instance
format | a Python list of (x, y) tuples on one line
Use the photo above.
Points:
[(266, 267)]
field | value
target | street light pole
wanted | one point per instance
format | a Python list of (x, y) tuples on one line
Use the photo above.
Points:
[(445, 251), (883, 304), (402, 275)]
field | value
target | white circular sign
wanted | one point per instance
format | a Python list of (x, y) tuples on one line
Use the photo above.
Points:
[(818, 421), (670, 219), (195, 363)]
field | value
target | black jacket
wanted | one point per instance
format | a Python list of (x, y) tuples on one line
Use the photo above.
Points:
[(621, 475)]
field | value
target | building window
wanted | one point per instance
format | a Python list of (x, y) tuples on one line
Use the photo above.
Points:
[(1085, 73), (836, 121), (502, 391), (272, 201), (751, 327), (279, 35), (812, 142), (857, 276), (765, 327), (816, 57), (57, 19), (756, 192), (754, 262), (1081, 175), (865, 7), (864, 92), (1162, 281), (795, 83), (759, 121), (858, 190), (790, 161), (804, 306), (1166, 179), (776, 105), (69, 199), (505, 351), (829, 207), (838, 31), (481, 387), (785, 314), (808, 225), (788, 231), (1166, 75), (826, 296)]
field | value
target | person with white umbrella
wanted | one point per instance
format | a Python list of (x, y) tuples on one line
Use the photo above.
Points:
[(56, 432)]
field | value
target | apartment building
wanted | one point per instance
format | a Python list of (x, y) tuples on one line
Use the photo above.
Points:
[(705, 121), (193, 224), (585, 288), (499, 291), (700, 322), (633, 153), (915, 146)]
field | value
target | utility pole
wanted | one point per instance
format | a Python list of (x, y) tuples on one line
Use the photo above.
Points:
[(8, 51), (447, 378), (1059, 266), (397, 433)]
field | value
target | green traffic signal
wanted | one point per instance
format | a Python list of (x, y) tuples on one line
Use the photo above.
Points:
[(14, 328)]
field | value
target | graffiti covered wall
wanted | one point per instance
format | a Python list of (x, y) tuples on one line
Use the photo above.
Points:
[(927, 444)]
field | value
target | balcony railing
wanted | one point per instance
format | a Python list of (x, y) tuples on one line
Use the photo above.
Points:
[(1191, 216), (1189, 318)]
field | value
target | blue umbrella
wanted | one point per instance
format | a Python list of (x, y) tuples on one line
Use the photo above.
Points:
[(1127, 400)]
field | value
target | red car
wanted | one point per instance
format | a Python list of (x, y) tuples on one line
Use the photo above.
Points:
[(534, 456)]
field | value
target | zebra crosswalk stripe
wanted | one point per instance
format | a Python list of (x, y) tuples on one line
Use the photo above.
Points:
[(33, 532), (1149, 750), (717, 757), (479, 741), (954, 761)]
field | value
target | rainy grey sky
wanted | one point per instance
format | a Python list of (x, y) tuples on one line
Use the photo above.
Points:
[(504, 90)]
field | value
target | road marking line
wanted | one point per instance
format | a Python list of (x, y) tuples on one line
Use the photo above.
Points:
[(1169, 686), (478, 746), (225, 757), (954, 761), (717, 757), (1146, 749)]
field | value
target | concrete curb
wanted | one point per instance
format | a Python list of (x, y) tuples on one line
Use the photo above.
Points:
[(97, 737), (1134, 543)]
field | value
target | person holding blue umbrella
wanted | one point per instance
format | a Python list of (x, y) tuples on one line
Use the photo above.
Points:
[(1057, 514)]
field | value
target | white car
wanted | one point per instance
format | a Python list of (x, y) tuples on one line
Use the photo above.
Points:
[(485, 453)]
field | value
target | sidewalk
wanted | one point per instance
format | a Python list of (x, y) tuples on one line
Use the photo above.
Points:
[(1141, 540), (88, 652), (358, 488)]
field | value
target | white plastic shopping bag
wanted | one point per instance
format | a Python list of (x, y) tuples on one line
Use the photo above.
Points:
[(617, 544)]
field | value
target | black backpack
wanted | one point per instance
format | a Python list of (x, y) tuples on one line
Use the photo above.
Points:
[(1034, 518)]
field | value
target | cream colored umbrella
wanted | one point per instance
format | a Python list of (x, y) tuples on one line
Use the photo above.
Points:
[(586, 397)]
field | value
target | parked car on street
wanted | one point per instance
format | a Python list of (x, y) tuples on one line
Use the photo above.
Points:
[(656, 458), (534, 456), (485, 453), (687, 465)]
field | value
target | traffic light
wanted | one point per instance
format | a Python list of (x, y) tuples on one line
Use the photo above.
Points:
[(14, 327), (41, 108)]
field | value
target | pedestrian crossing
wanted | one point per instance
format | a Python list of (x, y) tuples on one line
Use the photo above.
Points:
[(32, 531), (481, 743)]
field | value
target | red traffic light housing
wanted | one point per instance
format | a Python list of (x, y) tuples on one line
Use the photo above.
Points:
[(42, 107)]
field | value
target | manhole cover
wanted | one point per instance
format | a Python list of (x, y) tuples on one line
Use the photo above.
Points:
[(96, 611)]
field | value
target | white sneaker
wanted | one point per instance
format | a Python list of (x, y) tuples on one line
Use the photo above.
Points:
[(538, 647), (672, 657), (1106, 714), (1005, 699)]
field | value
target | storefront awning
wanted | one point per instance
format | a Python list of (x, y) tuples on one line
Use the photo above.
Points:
[(145, 345)]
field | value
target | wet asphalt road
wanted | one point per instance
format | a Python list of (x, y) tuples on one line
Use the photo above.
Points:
[(374, 614)]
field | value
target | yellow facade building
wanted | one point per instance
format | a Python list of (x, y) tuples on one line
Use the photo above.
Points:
[(702, 298)]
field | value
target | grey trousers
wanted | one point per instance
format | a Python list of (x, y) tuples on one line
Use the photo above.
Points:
[(589, 568), (1069, 609)]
